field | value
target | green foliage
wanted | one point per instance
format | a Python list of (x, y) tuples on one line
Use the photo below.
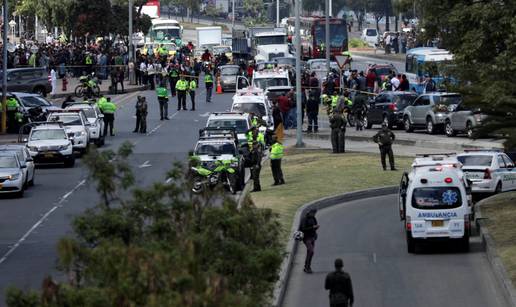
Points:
[(161, 246), (357, 43), (256, 9), (482, 37)]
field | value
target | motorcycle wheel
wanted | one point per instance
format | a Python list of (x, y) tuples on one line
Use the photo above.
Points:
[(351, 120), (79, 91), (96, 91), (231, 185), (198, 187)]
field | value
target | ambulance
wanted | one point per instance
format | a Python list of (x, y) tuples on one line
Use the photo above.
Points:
[(435, 201)]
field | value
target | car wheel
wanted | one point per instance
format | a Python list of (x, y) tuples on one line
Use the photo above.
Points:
[(407, 125), (367, 124), (469, 130), (411, 244), (448, 129), (430, 128), (498, 188), (79, 91), (20, 193), (70, 162), (31, 182)]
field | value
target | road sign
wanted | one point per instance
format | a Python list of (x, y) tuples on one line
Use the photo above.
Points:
[(341, 61)]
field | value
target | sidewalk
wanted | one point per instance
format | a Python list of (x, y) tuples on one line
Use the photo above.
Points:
[(104, 87), (378, 54)]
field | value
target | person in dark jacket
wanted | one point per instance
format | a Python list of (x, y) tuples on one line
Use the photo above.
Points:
[(312, 111), (309, 228), (68, 101), (339, 284), (384, 138), (141, 115), (338, 132)]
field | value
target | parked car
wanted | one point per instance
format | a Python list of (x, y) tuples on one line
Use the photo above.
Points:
[(382, 70), (429, 111), (28, 101), (28, 80), (370, 36), (228, 76), (388, 108), (12, 177), (25, 160), (463, 120)]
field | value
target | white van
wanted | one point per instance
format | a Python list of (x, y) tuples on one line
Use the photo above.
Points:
[(370, 36), (256, 102), (435, 201)]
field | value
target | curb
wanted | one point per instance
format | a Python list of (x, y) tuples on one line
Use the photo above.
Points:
[(419, 142), (494, 259), (105, 92), (281, 285)]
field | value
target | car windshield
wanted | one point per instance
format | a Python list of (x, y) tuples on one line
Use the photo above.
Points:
[(215, 149), (338, 34), (477, 160), (8, 162), (240, 125), (34, 101), (448, 99), (67, 120), (405, 100), (436, 198), (229, 71), (50, 134), (17, 151), (256, 108), (270, 40), (264, 83), (274, 94), (383, 71), (220, 50), (371, 32), (287, 61), (89, 112)]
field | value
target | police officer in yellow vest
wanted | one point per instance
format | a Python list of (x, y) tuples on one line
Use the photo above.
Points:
[(88, 61), (14, 116), (276, 156), (173, 76), (162, 93), (108, 109), (256, 142), (192, 86), (181, 88), (208, 82)]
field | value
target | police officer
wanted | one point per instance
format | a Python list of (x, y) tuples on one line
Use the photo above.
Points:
[(192, 86), (173, 76), (312, 111), (141, 115), (162, 93), (108, 109), (359, 109), (339, 284), (14, 116), (208, 82), (338, 132), (181, 88), (276, 156), (384, 138), (255, 141)]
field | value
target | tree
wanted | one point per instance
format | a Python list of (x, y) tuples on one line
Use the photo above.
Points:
[(482, 37), (161, 246), (212, 11), (255, 9)]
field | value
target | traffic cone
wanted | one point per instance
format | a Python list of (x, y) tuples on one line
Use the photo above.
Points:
[(219, 87)]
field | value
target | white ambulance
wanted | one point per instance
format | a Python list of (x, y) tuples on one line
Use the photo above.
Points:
[(435, 201)]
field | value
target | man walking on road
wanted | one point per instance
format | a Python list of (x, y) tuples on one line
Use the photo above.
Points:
[(162, 93), (309, 228), (208, 82), (108, 109), (384, 138), (192, 86), (339, 284), (141, 115), (181, 88), (276, 156)]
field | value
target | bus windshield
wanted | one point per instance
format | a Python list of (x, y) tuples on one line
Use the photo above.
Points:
[(165, 33), (338, 35)]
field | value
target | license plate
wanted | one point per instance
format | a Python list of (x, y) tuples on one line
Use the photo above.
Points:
[(437, 223), (49, 155), (474, 175)]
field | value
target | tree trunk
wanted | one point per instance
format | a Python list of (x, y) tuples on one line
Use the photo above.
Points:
[(397, 22)]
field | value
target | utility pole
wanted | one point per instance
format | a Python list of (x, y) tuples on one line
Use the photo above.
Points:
[(277, 14), (4, 72), (327, 40), (330, 8), (131, 31), (299, 130), (233, 15)]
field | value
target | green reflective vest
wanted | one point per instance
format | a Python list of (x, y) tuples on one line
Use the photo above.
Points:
[(88, 60), (208, 79), (101, 102), (334, 100), (276, 151), (260, 138), (193, 85), (173, 73), (108, 107), (162, 92), (12, 104), (181, 85)]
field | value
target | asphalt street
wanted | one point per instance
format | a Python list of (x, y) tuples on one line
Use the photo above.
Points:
[(368, 235), (30, 227)]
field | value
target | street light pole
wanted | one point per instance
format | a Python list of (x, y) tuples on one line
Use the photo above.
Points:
[(299, 130), (330, 8), (131, 30), (327, 40), (233, 15), (4, 72), (277, 14)]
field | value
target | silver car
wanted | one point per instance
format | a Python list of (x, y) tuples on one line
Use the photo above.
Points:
[(25, 159), (12, 178), (463, 120), (228, 76)]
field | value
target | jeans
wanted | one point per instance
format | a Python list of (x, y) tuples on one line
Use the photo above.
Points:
[(163, 108), (312, 122), (292, 115), (310, 247), (209, 89)]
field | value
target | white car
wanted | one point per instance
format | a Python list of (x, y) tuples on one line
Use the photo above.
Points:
[(490, 171), (241, 122), (77, 127), (264, 79), (12, 178), (25, 159), (370, 36), (49, 143), (255, 102), (95, 118)]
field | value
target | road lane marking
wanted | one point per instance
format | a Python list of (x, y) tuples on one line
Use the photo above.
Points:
[(40, 221), (205, 114), (374, 257), (161, 124), (145, 164), (169, 180)]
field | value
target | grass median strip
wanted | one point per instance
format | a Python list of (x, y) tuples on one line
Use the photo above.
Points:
[(314, 174), (500, 214)]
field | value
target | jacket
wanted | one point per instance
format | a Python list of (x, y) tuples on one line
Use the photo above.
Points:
[(141, 108), (337, 121), (312, 105), (384, 137), (341, 289), (307, 227)]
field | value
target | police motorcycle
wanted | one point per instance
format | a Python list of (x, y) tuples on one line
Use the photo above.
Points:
[(222, 173), (88, 86)]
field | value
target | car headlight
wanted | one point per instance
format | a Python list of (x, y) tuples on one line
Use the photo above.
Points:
[(77, 134), (64, 147), (14, 176), (32, 148)]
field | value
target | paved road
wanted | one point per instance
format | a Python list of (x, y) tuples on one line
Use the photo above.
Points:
[(368, 236), (30, 227)]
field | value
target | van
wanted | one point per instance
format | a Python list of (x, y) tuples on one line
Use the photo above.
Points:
[(28, 80), (435, 202), (370, 36)]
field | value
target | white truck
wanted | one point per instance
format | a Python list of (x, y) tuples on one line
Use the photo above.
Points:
[(269, 43), (209, 36)]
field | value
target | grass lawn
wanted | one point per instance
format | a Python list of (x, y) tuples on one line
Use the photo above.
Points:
[(314, 174), (500, 211)]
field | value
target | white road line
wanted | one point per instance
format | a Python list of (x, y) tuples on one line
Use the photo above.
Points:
[(40, 221), (374, 257), (161, 124), (145, 164), (169, 180)]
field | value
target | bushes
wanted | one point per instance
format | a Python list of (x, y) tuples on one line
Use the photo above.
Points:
[(357, 43)]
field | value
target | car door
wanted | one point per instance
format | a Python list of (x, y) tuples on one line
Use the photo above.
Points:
[(422, 108), (414, 109), (459, 117), (375, 111), (511, 172), (30, 163), (14, 81), (503, 173)]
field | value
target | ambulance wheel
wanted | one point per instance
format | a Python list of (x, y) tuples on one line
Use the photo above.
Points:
[(411, 244), (464, 244)]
